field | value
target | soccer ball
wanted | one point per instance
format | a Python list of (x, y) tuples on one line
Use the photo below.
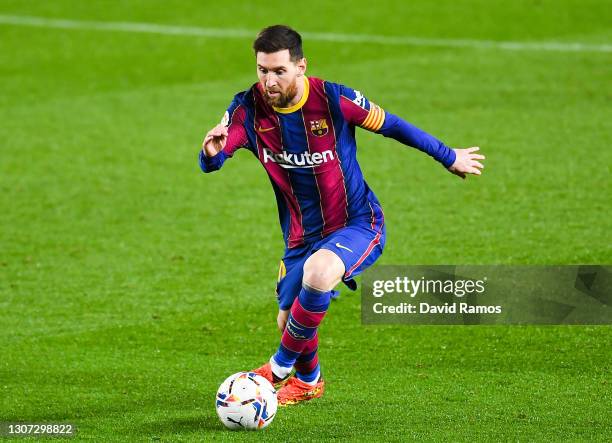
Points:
[(246, 400)]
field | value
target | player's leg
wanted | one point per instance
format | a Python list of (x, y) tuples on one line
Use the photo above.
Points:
[(340, 256), (322, 272), (358, 246)]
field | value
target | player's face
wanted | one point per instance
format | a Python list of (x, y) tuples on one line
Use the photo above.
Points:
[(278, 76)]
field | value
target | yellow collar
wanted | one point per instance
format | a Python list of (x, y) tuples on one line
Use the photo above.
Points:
[(299, 104)]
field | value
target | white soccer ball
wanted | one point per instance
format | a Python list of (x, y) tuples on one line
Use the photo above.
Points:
[(246, 400)]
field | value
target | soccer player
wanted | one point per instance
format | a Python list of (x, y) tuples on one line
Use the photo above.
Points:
[(302, 130)]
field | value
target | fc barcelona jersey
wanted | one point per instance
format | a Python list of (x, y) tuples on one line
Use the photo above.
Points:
[(309, 153)]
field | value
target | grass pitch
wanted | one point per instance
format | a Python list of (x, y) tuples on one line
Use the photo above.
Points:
[(131, 284)]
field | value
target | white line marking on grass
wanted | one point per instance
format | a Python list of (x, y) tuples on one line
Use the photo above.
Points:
[(152, 28)]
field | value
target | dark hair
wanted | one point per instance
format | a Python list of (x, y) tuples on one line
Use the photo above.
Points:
[(278, 37)]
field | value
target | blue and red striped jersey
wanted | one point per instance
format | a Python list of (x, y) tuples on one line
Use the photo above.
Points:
[(309, 153)]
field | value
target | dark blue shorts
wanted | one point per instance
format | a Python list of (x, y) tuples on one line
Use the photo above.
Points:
[(359, 244)]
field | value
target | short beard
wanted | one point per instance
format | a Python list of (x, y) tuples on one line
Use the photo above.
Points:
[(284, 98)]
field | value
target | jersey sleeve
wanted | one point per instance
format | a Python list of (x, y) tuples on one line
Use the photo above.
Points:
[(359, 111), (233, 119)]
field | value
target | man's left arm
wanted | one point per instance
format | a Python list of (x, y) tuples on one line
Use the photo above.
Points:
[(457, 161), (361, 112)]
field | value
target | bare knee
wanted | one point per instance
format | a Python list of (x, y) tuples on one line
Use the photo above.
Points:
[(323, 270)]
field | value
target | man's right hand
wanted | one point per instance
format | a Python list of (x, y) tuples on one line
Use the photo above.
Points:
[(215, 140)]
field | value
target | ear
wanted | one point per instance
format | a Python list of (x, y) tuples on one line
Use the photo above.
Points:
[(301, 66)]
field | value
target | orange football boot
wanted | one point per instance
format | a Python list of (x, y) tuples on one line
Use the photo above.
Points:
[(295, 391), (266, 372)]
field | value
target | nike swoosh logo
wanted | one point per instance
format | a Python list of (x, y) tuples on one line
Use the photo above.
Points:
[(260, 129), (338, 245)]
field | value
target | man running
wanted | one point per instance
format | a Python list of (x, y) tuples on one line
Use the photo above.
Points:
[(302, 130)]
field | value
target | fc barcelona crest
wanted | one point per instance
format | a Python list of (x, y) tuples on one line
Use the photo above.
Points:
[(319, 127)]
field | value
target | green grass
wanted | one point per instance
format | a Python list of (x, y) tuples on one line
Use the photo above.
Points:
[(131, 284)]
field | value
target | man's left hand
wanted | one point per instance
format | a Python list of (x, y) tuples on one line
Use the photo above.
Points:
[(467, 162), (281, 319)]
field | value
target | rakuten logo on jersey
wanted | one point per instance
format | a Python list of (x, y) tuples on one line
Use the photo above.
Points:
[(290, 160)]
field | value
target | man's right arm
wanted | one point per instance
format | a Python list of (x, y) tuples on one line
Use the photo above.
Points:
[(224, 139)]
